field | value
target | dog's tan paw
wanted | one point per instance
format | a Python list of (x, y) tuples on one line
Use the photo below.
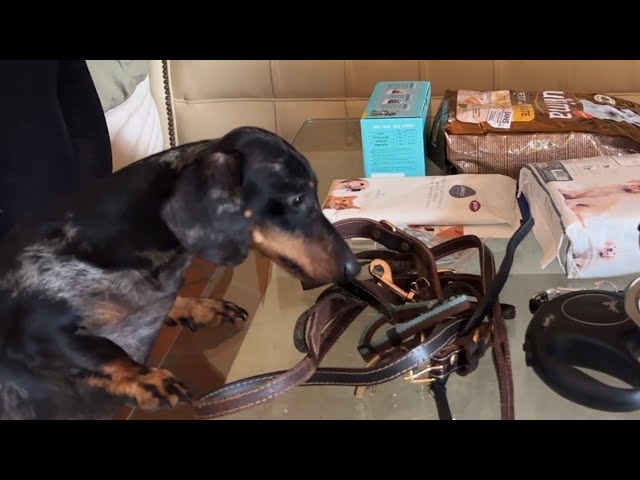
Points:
[(149, 388), (195, 312), (159, 388)]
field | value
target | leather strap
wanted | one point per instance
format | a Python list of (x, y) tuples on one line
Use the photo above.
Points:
[(439, 390), (396, 240), (448, 339)]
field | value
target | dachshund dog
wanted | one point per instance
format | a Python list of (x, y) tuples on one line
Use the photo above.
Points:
[(86, 286)]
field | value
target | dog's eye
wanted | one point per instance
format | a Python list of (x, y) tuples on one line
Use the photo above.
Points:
[(297, 200)]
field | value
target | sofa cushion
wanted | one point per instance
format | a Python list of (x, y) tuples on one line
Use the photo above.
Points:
[(209, 97), (116, 80)]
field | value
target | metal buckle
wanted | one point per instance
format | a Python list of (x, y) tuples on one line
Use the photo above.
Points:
[(476, 333), (415, 286), (414, 377), (382, 271)]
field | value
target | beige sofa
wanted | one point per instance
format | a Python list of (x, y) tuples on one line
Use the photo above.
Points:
[(205, 98)]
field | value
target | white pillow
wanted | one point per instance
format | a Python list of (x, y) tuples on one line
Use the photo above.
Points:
[(130, 109)]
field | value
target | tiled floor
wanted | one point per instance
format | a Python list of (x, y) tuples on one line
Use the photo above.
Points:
[(202, 359)]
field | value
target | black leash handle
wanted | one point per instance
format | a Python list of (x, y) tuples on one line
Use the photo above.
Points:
[(501, 277)]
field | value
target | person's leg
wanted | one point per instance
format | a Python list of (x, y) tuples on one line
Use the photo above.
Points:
[(53, 135)]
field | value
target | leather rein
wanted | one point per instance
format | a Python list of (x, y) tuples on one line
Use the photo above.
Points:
[(440, 322)]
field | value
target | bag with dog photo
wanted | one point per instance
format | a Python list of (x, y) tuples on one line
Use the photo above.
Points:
[(586, 213), (483, 202)]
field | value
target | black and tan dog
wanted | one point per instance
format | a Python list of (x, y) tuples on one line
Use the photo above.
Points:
[(86, 287)]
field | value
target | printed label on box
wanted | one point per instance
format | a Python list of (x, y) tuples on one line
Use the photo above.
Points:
[(497, 108), (393, 128), (500, 117)]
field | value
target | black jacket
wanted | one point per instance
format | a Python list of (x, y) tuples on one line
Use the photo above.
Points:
[(53, 134)]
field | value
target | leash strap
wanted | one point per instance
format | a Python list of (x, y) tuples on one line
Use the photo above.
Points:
[(501, 351), (439, 390), (433, 334)]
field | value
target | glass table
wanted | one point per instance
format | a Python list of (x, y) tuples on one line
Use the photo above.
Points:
[(334, 150)]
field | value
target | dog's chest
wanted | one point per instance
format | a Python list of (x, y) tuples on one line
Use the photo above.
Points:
[(133, 328), (127, 306), (132, 320)]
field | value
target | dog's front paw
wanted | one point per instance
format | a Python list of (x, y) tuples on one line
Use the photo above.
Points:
[(159, 388), (147, 388), (195, 312)]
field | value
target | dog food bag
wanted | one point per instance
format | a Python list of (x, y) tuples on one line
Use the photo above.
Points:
[(501, 131), (586, 213), (487, 201)]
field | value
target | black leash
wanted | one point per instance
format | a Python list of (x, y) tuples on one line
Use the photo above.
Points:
[(438, 388)]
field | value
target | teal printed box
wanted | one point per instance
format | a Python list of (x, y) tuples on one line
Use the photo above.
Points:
[(394, 129)]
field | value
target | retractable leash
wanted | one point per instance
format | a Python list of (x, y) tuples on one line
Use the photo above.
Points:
[(632, 297), (587, 328), (436, 328)]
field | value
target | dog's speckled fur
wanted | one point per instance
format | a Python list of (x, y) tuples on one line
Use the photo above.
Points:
[(86, 285)]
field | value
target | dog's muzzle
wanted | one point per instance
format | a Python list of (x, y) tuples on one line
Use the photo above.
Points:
[(351, 268)]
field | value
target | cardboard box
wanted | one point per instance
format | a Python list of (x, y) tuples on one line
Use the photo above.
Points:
[(394, 129)]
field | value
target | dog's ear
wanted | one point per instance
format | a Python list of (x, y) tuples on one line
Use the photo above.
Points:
[(205, 211)]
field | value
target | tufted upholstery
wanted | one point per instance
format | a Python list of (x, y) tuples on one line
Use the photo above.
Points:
[(209, 97)]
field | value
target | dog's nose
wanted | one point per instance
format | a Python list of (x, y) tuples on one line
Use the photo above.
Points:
[(351, 268)]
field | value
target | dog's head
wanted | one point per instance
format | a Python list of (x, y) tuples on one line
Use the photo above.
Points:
[(608, 250), (252, 189)]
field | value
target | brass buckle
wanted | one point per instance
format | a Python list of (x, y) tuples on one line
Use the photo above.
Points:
[(382, 271), (415, 286), (415, 377), (476, 335)]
